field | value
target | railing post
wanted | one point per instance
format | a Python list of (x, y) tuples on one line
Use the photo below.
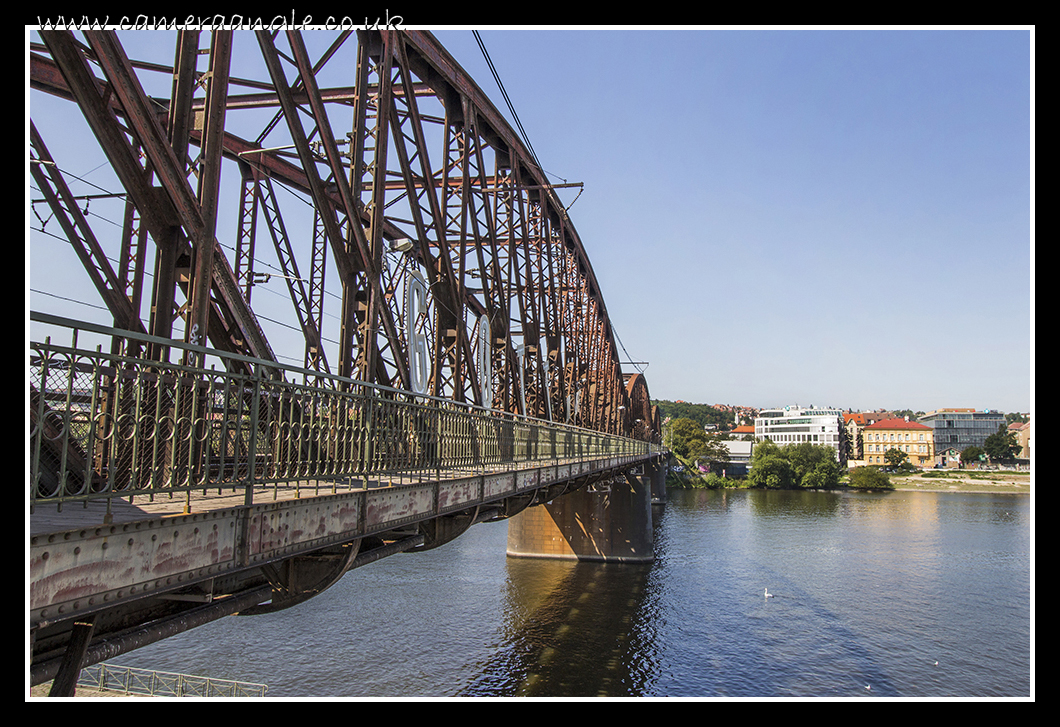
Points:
[(252, 454), (150, 413), (38, 434), (369, 450), (437, 443)]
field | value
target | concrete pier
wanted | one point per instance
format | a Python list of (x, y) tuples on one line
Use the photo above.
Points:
[(609, 521)]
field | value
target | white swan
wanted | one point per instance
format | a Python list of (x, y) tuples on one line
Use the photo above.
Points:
[(768, 594)]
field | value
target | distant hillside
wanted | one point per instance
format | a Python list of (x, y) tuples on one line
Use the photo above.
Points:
[(704, 414)]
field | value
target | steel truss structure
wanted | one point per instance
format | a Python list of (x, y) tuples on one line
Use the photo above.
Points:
[(441, 307), (421, 246)]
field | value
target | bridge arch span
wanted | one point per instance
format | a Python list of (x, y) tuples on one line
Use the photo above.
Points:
[(643, 417), (328, 268), (364, 176)]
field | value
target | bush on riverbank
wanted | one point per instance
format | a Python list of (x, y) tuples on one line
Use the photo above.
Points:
[(794, 466), (690, 478), (869, 478)]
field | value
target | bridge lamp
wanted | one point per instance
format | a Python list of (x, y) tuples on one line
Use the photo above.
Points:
[(262, 278), (403, 244)]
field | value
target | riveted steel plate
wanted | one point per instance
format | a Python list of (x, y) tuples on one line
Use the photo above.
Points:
[(279, 529), (83, 570), (392, 506), (458, 493)]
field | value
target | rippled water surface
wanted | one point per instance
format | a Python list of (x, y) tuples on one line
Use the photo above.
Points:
[(869, 592)]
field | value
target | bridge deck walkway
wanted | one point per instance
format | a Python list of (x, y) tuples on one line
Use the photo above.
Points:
[(54, 518)]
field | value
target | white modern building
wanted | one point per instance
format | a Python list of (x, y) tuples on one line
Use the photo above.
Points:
[(737, 463), (798, 424)]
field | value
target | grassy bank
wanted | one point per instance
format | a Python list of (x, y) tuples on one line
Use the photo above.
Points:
[(1013, 483)]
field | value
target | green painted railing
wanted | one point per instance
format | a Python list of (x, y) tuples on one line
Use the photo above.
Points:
[(106, 424)]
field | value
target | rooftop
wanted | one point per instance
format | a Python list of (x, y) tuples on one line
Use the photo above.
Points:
[(866, 417), (897, 424)]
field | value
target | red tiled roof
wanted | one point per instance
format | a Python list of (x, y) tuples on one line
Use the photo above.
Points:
[(864, 417), (743, 429), (897, 424)]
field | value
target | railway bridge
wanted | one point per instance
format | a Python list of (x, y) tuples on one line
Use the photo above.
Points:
[(435, 351)]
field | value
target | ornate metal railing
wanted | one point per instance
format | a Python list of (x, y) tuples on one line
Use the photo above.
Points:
[(106, 424), (152, 683)]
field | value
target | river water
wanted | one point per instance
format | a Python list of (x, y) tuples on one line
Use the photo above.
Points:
[(900, 594)]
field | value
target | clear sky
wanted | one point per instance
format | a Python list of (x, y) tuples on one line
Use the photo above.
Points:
[(829, 217), (835, 217)]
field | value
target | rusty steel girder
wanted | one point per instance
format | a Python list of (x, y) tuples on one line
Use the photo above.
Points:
[(435, 256)]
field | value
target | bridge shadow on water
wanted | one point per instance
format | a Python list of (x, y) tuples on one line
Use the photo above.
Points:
[(571, 631)]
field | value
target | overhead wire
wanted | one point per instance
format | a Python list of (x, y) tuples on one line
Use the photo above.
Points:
[(530, 147), (507, 100), (515, 116)]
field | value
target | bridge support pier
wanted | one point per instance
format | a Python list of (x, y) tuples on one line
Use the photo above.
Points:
[(657, 469), (607, 521)]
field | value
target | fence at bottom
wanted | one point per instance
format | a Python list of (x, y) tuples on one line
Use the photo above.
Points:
[(148, 682)]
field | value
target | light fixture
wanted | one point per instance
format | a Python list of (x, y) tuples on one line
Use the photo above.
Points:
[(260, 278)]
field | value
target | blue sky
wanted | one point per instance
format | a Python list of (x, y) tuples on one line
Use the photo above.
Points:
[(835, 217)]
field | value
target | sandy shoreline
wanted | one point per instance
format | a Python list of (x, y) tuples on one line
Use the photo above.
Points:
[(964, 481)]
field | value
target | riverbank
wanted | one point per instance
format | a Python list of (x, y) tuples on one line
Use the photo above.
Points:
[(971, 481), (1000, 481)]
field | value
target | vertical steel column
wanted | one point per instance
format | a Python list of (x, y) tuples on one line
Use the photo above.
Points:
[(451, 324), (375, 208), (209, 186), (246, 230), (317, 271)]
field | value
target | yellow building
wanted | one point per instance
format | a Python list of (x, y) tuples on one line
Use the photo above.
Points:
[(913, 438), (1022, 430)]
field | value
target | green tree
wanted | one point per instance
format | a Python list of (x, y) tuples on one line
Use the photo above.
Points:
[(825, 475), (686, 435), (795, 465), (765, 448), (1001, 446), (869, 478), (773, 472), (688, 441), (895, 457), (770, 467), (972, 453), (807, 459), (710, 449)]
